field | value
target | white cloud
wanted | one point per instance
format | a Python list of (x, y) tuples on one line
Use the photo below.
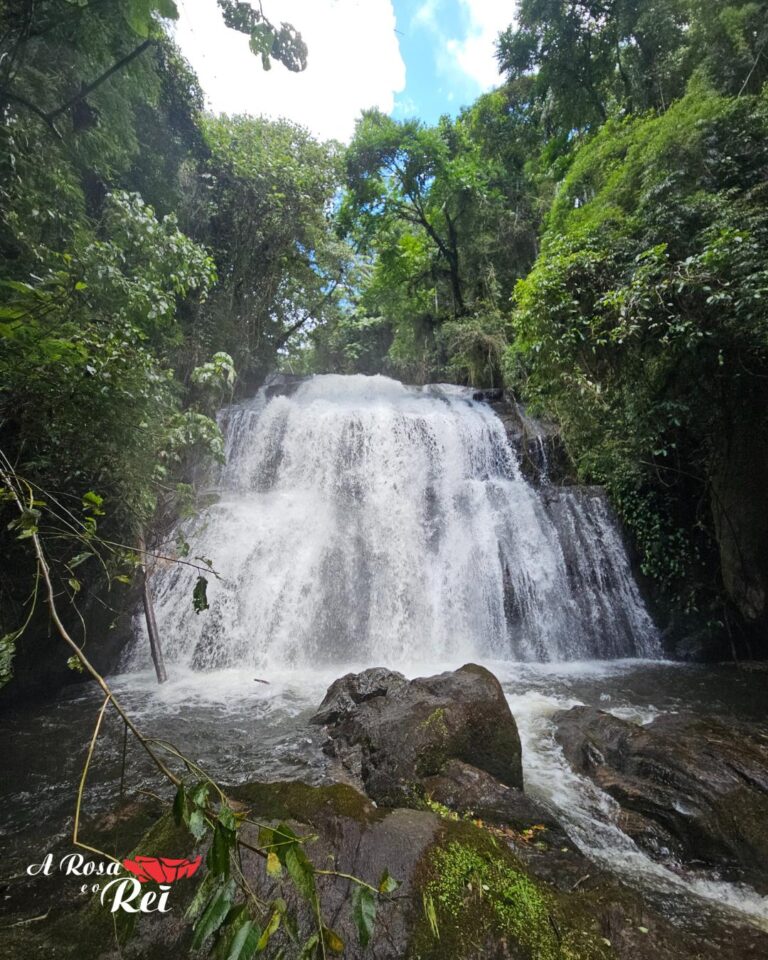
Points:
[(405, 107), (476, 53), (471, 57), (354, 62), (426, 14)]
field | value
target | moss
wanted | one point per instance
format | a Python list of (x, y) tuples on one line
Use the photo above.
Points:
[(479, 900), (436, 721), (298, 801)]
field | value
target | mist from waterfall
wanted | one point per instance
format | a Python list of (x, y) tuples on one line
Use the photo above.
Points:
[(359, 520)]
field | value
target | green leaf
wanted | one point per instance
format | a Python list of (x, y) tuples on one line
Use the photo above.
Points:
[(92, 503), (180, 806), (227, 817), (218, 855), (269, 930), (363, 913), (431, 915), (301, 871), (246, 942), (203, 894), (274, 868), (283, 839), (387, 883), (308, 949), (233, 922), (167, 9), (261, 39), (199, 794), (213, 915), (200, 595)]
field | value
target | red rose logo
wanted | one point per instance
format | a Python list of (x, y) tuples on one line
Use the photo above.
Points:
[(161, 869)]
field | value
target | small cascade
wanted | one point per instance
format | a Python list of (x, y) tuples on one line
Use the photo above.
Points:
[(360, 520)]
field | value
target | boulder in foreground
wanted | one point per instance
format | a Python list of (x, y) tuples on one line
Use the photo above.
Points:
[(391, 734)]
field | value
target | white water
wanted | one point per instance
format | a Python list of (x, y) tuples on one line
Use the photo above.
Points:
[(362, 520), (590, 816)]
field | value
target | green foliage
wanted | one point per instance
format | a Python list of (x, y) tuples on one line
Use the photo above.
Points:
[(230, 921), (643, 324), (444, 224), (261, 204)]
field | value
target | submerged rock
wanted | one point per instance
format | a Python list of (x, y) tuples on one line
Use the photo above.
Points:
[(392, 734), (690, 790)]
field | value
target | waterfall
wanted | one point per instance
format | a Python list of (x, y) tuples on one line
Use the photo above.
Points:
[(360, 520)]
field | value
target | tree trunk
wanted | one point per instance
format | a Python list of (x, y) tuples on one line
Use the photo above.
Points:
[(149, 614)]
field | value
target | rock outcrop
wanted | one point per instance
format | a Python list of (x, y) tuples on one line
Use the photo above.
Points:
[(692, 791), (391, 734)]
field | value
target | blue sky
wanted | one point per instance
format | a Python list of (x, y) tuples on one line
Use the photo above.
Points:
[(406, 57), (447, 46)]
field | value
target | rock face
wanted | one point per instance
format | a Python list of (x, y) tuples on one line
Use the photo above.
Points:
[(391, 735), (690, 790)]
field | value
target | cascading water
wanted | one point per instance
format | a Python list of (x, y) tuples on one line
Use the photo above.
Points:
[(360, 520)]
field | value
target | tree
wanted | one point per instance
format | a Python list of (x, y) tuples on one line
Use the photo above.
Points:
[(643, 328), (261, 203)]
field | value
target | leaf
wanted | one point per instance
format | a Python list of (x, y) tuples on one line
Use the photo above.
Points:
[(233, 922), (283, 838), (274, 868), (333, 941), (363, 913), (167, 9), (180, 806), (218, 855), (92, 503), (431, 915), (300, 871), (269, 930), (75, 584), (199, 794), (309, 947), (203, 894), (200, 595), (227, 817), (197, 825), (387, 883), (213, 915), (80, 558), (261, 39), (74, 663), (246, 942)]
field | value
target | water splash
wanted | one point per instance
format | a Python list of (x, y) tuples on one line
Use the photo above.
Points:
[(362, 520)]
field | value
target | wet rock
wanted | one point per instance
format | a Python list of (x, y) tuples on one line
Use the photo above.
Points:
[(468, 790), (465, 893), (690, 790), (392, 734), (489, 395), (282, 384)]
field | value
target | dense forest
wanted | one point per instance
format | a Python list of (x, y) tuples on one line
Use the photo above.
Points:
[(591, 235)]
